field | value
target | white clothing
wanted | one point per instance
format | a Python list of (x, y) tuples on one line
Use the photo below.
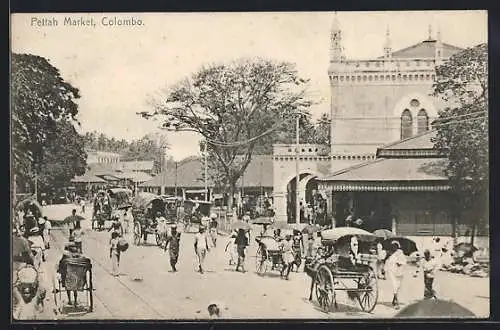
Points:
[(46, 231), (429, 267), (395, 269), (202, 241)]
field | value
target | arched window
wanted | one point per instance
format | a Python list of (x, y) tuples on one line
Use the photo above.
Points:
[(406, 124), (422, 121)]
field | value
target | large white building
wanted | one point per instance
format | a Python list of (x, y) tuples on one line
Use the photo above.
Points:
[(373, 102)]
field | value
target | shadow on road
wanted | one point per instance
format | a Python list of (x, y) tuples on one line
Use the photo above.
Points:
[(342, 308)]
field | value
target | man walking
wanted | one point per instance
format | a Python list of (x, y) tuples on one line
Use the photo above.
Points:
[(173, 242), (429, 267), (395, 270), (201, 247)]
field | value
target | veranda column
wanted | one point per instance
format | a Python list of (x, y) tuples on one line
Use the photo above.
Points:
[(329, 205)]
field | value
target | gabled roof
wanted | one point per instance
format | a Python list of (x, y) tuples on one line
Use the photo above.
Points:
[(190, 174), (396, 169), (425, 49), (420, 141), (88, 178), (134, 176), (141, 165)]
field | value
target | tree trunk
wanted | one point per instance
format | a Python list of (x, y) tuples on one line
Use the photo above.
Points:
[(454, 229), (472, 233), (230, 192)]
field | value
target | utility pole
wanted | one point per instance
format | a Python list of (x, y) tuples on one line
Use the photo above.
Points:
[(297, 153), (206, 171), (36, 186), (175, 179)]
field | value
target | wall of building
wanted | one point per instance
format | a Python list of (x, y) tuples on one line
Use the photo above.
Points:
[(366, 104)]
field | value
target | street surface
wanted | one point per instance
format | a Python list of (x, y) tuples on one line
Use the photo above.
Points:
[(147, 289)]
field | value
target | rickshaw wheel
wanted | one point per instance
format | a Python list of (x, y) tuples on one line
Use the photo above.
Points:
[(325, 291), (88, 288), (137, 233), (368, 299), (260, 262)]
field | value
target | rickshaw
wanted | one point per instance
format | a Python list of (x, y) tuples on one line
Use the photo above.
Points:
[(347, 263), (268, 254), (78, 278), (31, 229), (196, 213), (102, 210), (145, 207), (120, 198), (172, 205)]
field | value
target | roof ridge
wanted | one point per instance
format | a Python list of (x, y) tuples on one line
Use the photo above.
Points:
[(354, 167), (405, 140)]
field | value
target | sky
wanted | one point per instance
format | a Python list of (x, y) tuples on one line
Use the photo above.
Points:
[(117, 68)]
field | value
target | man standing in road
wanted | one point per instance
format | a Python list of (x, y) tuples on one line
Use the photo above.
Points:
[(201, 247), (173, 243)]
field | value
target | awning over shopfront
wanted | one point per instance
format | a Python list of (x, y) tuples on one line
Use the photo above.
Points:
[(407, 165), (393, 174), (87, 178)]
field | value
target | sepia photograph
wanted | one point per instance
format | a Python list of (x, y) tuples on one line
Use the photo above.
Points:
[(249, 166)]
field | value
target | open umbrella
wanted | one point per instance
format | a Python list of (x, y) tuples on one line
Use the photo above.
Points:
[(240, 225), (383, 233), (261, 221), (281, 225), (407, 245), (73, 218), (435, 309), (335, 233)]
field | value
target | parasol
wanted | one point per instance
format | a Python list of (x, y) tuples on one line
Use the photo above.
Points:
[(32, 205), (240, 225), (281, 225), (407, 245), (310, 229), (73, 218), (336, 233), (298, 226), (435, 308), (262, 221), (383, 233)]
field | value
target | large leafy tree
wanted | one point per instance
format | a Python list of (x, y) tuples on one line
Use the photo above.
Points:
[(62, 161), (234, 106), (41, 99), (462, 131)]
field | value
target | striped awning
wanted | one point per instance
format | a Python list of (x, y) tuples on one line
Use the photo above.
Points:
[(384, 186)]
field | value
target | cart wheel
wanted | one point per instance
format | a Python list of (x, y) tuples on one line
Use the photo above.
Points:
[(158, 239), (137, 233), (368, 299), (325, 291), (260, 262), (58, 300), (89, 288)]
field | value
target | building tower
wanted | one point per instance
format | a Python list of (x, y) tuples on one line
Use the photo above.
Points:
[(439, 48), (336, 58), (387, 45)]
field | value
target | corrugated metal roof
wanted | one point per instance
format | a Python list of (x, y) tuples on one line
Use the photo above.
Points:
[(190, 174), (141, 165), (421, 141), (394, 169)]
